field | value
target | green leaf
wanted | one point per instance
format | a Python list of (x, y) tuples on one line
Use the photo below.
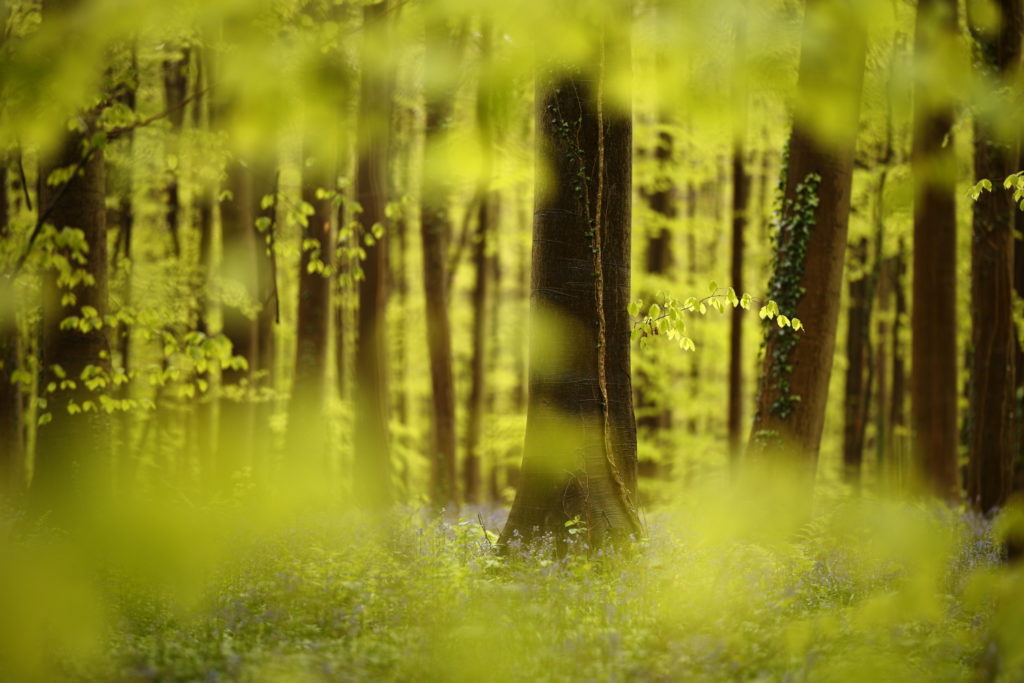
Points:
[(634, 308), (654, 311)]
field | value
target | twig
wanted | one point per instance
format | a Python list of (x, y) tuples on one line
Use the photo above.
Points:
[(480, 520), (24, 180), (49, 210), (79, 166)]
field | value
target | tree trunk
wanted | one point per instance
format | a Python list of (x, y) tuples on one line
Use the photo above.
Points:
[(857, 351), (307, 432), (372, 460), (73, 450), (579, 456), (486, 212), (1018, 285), (899, 446), (811, 239), (12, 453), (933, 318), (205, 423), (992, 445), (740, 195)]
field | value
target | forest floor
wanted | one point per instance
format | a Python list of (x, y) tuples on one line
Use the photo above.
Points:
[(723, 588)]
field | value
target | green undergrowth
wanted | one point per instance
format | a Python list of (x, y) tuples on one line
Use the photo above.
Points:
[(727, 586)]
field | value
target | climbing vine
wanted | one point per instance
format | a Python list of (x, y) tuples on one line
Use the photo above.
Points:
[(795, 223)]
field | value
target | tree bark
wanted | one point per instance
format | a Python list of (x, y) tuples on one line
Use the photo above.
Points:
[(933, 318), (811, 240), (372, 459), (992, 405), (580, 450)]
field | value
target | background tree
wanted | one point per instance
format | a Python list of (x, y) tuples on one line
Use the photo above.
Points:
[(811, 235), (933, 315), (372, 454), (993, 424)]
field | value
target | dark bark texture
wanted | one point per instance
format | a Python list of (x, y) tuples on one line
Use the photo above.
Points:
[(992, 401), (578, 460), (811, 240)]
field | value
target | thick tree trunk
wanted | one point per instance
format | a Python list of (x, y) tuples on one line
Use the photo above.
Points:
[(73, 450), (372, 459), (1018, 286), (992, 445), (811, 240), (933, 318), (307, 432), (580, 450)]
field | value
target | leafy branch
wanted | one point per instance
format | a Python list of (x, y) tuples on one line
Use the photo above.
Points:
[(668, 318)]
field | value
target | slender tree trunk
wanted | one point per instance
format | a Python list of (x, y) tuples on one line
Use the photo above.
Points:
[(307, 435), (12, 443), (435, 224), (992, 445), (205, 422), (933, 323), (486, 212), (580, 450), (493, 406), (265, 180), (882, 359), (740, 198), (857, 351), (73, 450), (811, 242), (372, 459), (899, 443)]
